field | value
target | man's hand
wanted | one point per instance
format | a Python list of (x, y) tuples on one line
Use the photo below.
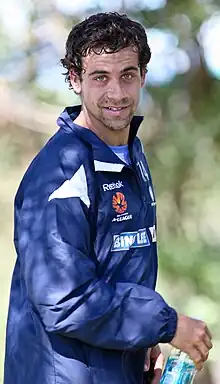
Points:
[(193, 337), (155, 361)]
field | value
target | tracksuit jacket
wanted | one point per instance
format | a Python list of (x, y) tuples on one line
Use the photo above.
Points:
[(83, 307)]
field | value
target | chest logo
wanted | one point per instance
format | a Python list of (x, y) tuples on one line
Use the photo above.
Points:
[(126, 240), (110, 187), (119, 203)]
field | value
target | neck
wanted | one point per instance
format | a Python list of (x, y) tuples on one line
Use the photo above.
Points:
[(110, 137)]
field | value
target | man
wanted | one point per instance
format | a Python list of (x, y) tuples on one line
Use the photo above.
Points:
[(83, 306)]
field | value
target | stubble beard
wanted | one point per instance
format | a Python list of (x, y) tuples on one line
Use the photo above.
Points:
[(116, 124)]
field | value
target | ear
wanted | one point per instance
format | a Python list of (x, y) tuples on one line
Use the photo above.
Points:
[(75, 82), (143, 78)]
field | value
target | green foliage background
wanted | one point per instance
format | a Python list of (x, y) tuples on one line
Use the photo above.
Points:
[(181, 136)]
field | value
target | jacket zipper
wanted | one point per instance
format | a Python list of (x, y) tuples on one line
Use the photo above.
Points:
[(139, 183)]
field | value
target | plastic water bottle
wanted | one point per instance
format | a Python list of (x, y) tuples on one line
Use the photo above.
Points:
[(179, 369)]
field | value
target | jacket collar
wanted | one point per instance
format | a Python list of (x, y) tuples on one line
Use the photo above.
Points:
[(104, 158)]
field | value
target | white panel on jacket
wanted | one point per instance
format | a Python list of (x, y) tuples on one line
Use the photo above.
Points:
[(75, 187), (107, 167)]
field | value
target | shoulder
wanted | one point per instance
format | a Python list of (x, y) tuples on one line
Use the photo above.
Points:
[(59, 160)]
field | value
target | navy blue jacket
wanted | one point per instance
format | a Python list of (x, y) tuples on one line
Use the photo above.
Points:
[(83, 307)]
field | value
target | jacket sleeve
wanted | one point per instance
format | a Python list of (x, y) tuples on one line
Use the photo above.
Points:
[(71, 299)]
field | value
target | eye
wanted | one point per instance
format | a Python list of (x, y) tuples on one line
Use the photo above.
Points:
[(100, 78), (128, 76)]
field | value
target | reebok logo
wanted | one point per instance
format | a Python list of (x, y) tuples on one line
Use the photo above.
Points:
[(110, 187)]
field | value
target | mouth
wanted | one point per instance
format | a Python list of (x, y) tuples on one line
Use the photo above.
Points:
[(115, 109)]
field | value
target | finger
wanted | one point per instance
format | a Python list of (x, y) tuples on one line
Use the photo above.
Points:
[(147, 360), (208, 332), (197, 360), (207, 341), (157, 376), (196, 356), (199, 366), (203, 350)]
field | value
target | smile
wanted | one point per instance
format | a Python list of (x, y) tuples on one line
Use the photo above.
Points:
[(115, 109)]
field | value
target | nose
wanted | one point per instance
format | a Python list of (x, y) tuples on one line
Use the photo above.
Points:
[(116, 91)]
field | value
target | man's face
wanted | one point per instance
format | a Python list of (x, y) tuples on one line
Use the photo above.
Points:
[(110, 87)]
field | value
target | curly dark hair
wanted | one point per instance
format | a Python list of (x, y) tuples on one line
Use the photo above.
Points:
[(104, 32)]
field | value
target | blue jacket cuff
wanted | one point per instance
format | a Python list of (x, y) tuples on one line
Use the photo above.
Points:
[(171, 325)]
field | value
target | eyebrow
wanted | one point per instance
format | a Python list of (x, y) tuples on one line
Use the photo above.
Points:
[(103, 72)]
